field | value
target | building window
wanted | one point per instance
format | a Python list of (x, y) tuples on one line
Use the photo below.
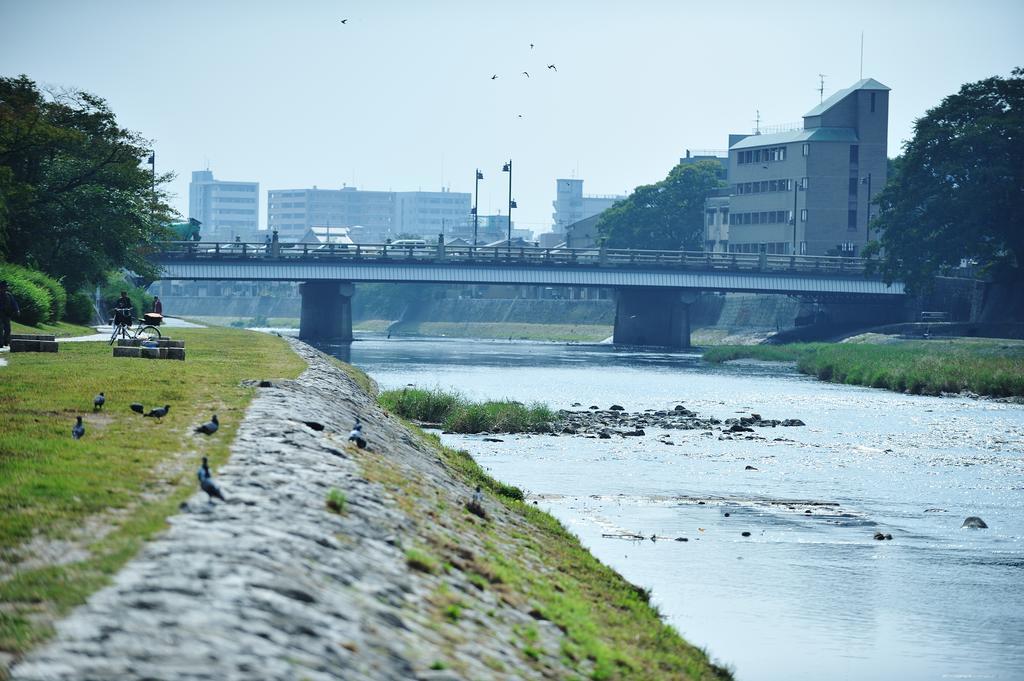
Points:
[(851, 220), (803, 215), (853, 187), (854, 153), (806, 149)]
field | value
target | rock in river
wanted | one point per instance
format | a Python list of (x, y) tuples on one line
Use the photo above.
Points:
[(975, 523)]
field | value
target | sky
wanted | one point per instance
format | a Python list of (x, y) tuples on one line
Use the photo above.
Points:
[(401, 97)]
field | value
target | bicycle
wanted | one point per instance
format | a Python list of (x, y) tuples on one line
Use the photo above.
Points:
[(123, 328)]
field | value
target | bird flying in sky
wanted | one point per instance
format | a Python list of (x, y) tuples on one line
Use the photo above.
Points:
[(526, 74), (344, 21), (552, 66), (494, 77)]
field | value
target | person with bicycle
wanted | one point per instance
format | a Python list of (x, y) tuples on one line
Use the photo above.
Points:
[(123, 310)]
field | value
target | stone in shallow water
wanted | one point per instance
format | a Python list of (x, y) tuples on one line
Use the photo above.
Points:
[(975, 523)]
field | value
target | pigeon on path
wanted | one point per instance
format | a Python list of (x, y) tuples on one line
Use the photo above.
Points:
[(357, 436), (159, 412), (79, 429), (137, 408), (98, 402), (207, 484), (210, 427)]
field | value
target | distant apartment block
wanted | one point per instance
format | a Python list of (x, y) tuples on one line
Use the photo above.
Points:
[(380, 215), (806, 191), (571, 205), (226, 209)]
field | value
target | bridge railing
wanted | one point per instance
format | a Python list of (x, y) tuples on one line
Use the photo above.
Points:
[(505, 255)]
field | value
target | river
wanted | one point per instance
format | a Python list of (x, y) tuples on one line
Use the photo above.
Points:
[(808, 595)]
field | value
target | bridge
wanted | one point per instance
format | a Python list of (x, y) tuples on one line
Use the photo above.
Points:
[(653, 289)]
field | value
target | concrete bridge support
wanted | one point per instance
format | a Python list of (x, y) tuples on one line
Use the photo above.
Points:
[(653, 316), (326, 315)]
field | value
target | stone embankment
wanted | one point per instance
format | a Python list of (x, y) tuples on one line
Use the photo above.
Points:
[(398, 581)]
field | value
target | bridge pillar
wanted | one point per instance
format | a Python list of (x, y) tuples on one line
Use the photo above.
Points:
[(326, 311), (653, 316)]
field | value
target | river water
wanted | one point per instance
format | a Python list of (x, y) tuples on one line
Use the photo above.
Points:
[(806, 595)]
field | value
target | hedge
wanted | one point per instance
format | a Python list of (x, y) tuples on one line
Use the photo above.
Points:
[(58, 296), (35, 301), (80, 309)]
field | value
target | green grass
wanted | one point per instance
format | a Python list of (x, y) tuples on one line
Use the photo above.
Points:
[(986, 367), (336, 501), (767, 353), (60, 329), (422, 561), (458, 414), (50, 485)]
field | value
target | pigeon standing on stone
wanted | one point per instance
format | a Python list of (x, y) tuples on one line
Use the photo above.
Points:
[(159, 412), (210, 427), (357, 436), (98, 402), (137, 408), (79, 429), (206, 482)]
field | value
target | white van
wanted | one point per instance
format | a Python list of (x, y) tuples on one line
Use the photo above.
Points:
[(409, 243)]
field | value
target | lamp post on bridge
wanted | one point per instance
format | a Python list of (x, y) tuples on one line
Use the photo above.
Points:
[(797, 187), (476, 203), (507, 168), (867, 224)]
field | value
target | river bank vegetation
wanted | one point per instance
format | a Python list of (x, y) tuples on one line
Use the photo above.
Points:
[(456, 413), (982, 366), (94, 501)]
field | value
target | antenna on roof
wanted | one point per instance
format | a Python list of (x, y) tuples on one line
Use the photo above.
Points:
[(757, 121), (821, 88), (862, 55)]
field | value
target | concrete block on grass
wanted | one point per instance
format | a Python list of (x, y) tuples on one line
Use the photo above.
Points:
[(126, 352)]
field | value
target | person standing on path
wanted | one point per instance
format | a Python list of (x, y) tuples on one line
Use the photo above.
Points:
[(8, 310), (158, 307)]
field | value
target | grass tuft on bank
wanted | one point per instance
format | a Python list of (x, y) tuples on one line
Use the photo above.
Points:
[(458, 414), (985, 367), (96, 500)]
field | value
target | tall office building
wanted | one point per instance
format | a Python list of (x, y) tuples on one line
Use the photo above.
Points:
[(382, 215), (225, 209), (571, 205), (807, 191)]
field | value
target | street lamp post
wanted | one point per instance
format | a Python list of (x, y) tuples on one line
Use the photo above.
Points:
[(476, 203), (867, 225), (796, 193), (507, 168)]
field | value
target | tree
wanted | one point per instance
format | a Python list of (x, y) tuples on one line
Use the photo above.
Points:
[(957, 192), (667, 215), (75, 200)]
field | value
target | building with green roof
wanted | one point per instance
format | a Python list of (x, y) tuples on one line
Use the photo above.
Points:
[(807, 190)]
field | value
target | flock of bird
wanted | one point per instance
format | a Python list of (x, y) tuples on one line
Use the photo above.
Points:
[(206, 482)]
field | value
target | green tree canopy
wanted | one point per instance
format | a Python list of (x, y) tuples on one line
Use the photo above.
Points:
[(667, 215), (75, 200), (958, 190)]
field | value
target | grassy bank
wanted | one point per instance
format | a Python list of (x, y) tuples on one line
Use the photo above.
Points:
[(460, 415), (986, 367), (95, 501), (60, 329), (611, 631)]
